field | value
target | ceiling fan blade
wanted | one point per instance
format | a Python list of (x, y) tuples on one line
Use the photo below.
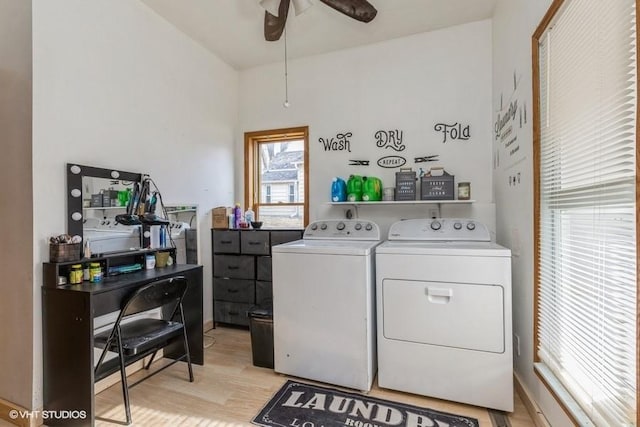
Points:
[(360, 10), (274, 25)]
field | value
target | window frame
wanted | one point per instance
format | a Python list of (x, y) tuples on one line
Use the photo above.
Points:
[(252, 141), (539, 33)]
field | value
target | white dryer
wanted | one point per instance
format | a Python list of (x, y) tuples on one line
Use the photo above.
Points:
[(444, 312), (324, 304)]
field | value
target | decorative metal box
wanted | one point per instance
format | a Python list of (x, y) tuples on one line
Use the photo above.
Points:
[(437, 187), (406, 184)]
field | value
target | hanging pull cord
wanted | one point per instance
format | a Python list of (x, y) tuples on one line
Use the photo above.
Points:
[(286, 72)]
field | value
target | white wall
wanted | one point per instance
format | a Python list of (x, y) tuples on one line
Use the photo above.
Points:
[(16, 259), (514, 22), (117, 86), (409, 84)]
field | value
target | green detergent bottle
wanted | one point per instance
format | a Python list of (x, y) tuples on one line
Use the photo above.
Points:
[(354, 188), (371, 189)]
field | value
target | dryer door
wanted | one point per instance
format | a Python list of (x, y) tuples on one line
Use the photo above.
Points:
[(460, 315)]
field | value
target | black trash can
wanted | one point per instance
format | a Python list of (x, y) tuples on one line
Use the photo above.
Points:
[(261, 328)]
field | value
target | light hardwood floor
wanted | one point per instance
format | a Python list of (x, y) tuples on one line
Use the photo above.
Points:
[(229, 391)]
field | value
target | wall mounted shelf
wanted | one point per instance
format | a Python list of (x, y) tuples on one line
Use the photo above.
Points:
[(103, 208), (179, 211), (437, 203), (403, 202)]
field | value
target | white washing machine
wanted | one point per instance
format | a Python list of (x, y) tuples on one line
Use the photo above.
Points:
[(444, 312), (324, 304)]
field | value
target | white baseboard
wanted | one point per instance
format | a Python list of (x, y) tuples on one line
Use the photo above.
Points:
[(532, 407)]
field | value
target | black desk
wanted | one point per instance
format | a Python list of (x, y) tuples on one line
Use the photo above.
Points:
[(67, 334)]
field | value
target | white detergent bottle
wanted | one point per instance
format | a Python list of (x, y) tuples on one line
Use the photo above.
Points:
[(249, 216)]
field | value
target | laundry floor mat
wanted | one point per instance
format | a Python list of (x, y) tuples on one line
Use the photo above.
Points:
[(305, 405)]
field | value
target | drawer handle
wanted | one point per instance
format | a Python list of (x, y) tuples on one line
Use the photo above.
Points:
[(233, 313), (233, 291), (439, 295), (233, 267), (225, 242), (253, 243)]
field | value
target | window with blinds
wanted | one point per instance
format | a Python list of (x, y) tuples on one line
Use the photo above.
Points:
[(586, 255)]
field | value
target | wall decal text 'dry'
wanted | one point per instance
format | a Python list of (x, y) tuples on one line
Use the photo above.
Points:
[(454, 131), (390, 139), (340, 142)]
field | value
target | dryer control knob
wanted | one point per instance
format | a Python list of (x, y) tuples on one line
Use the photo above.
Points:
[(368, 227), (457, 225), (435, 225), (314, 227), (323, 227), (340, 226), (471, 226), (358, 226)]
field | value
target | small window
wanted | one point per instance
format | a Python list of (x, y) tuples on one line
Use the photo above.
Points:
[(267, 193), (276, 176), (292, 193)]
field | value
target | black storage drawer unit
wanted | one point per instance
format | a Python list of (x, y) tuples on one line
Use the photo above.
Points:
[(234, 267), (242, 271), (283, 236), (264, 293), (226, 242), (263, 267), (255, 242), (234, 290), (234, 313)]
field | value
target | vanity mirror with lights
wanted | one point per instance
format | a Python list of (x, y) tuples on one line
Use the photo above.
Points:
[(94, 198)]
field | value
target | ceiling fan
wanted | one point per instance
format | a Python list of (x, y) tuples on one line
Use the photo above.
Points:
[(276, 12)]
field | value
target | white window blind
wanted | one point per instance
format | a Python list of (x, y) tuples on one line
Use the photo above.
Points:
[(587, 296)]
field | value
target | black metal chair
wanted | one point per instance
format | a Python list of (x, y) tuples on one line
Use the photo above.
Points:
[(141, 337)]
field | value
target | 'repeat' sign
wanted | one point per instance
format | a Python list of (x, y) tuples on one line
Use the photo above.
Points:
[(305, 405)]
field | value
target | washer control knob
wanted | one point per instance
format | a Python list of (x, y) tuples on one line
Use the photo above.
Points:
[(457, 225), (323, 227), (314, 227), (435, 225), (471, 226), (368, 227), (358, 226), (340, 226)]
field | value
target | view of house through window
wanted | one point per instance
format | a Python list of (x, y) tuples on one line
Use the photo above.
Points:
[(276, 176)]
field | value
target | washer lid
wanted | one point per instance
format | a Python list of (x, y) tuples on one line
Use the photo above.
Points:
[(453, 248), (327, 247)]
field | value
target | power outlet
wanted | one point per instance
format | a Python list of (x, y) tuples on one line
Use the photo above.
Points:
[(517, 343), (433, 212)]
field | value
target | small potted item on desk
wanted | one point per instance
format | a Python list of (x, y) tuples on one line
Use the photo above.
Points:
[(163, 259)]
